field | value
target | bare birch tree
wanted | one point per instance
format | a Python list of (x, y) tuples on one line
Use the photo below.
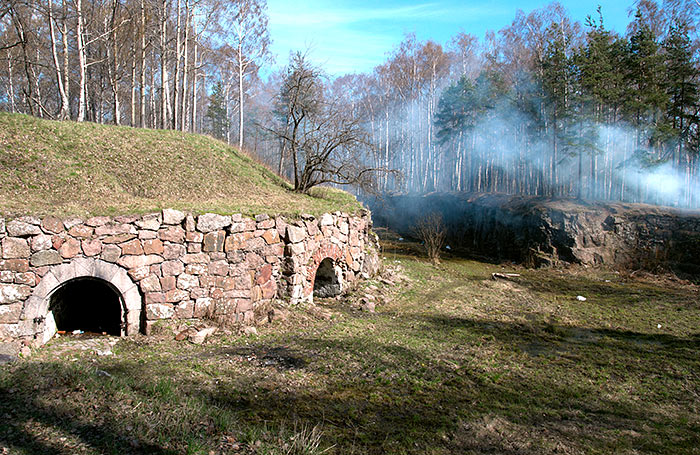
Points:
[(325, 138), (250, 39), (64, 112)]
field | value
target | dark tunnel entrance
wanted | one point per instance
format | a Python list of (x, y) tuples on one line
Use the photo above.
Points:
[(87, 304), (326, 283)]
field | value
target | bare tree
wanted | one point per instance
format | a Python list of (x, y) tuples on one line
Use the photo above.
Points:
[(185, 69), (82, 58), (64, 112), (298, 100), (430, 229), (324, 137), (250, 40), (142, 55), (164, 84), (20, 16), (114, 63)]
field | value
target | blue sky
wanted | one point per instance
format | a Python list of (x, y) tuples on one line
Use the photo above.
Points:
[(346, 36)]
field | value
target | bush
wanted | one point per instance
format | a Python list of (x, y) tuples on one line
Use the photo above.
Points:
[(431, 230)]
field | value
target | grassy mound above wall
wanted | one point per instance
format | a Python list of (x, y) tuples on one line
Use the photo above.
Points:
[(69, 168)]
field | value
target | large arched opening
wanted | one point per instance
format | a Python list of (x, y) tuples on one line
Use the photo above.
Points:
[(88, 304), (86, 294), (327, 282)]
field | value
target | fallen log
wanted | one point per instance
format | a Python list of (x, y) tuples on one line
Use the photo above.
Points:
[(504, 276)]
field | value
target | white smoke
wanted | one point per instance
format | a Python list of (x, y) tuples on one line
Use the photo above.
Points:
[(626, 168)]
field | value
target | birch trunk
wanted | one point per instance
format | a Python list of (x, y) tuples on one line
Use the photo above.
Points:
[(37, 87), (241, 72), (133, 84), (227, 94), (66, 54), (143, 65), (163, 66), (114, 73), (183, 109), (154, 104), (82, 61), (11, 83), (176, 72), (64, 112), (193, 118)]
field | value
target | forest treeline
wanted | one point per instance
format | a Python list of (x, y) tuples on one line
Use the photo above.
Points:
[(144, 63), (545, 106)]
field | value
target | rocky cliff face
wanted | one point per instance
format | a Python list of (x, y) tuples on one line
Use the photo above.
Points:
[(540, 231)]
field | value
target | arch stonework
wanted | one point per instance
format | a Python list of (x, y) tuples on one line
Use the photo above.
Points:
[(36, 308), (172, 265), (346, 240), (331, 251)]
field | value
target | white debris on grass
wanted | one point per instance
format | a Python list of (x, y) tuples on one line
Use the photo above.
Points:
[(581, 298)]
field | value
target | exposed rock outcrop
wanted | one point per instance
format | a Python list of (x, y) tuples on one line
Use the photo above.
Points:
[(541, 231)]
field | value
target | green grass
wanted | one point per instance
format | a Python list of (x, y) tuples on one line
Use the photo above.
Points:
[(452, 363), (62, 168)]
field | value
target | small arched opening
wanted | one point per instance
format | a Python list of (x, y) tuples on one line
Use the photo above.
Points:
[(89, 305), (326, 282)]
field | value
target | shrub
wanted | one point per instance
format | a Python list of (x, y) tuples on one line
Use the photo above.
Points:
[(430, 229)]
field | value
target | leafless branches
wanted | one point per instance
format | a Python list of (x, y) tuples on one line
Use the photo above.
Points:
[(325, 138), (431, 230)]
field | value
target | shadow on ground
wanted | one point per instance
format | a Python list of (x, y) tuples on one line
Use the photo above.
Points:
[(375, 396)]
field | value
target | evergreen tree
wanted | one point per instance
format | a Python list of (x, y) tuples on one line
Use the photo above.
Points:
[(456, 109), (217, 112), (600, 71), (598, 95), (556, 74), (681, 87), (645, 79)]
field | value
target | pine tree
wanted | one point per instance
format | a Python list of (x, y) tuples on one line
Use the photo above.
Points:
[(556, 74), (455, 112), (681, 87), (600, 74), (645, 100), (600, 90), (216, 114), (645, 77)]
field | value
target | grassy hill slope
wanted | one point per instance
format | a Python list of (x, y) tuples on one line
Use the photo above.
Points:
[(61, 168)]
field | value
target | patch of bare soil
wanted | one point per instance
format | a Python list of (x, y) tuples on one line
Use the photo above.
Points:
[(278, 357)]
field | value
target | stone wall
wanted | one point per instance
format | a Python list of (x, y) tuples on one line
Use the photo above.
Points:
[(173, 265)]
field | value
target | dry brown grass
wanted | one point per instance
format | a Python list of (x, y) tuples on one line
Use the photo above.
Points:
[(84, 168)]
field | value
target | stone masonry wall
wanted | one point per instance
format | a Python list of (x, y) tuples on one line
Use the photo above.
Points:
[(173, 265)]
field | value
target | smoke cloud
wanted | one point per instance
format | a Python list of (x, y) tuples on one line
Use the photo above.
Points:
[(505, 150)]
